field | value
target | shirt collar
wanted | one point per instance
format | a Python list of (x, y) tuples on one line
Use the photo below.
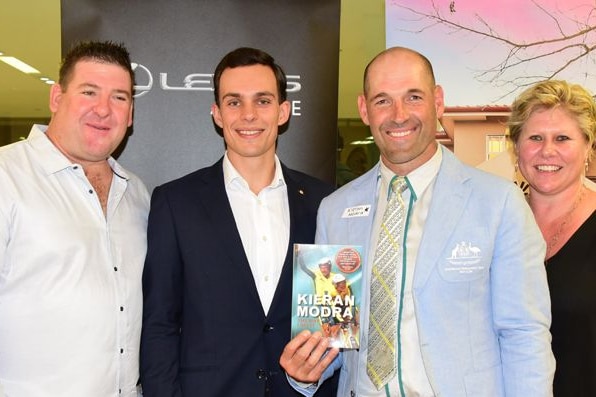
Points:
[(52, 160), (231, 174), (420, 178)]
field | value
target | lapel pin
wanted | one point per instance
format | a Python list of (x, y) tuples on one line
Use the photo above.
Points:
[(301, 191)]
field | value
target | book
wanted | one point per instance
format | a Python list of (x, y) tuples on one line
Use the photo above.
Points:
[(326, 292)]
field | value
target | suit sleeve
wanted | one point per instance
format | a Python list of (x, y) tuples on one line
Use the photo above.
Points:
[(521, 302), (162, 303), (321, 231), (309, 390)]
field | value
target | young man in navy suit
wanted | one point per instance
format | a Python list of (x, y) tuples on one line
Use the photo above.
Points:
[(218, 276), (472, 308)]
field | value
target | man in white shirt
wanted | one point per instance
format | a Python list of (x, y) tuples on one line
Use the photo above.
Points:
[(472, 308), (218, 277), (72, 239)]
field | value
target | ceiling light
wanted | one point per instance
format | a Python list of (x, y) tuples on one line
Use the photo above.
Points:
[(50, 82), (18, 64)]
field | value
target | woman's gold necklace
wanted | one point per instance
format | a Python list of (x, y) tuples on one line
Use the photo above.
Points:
[(552, 242)]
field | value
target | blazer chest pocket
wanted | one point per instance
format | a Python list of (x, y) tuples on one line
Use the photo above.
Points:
[(467, 256)]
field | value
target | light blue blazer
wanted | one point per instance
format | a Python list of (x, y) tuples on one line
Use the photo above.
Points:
[(483, 308)]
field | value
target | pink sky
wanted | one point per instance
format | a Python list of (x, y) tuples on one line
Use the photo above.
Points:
[(458, 56)]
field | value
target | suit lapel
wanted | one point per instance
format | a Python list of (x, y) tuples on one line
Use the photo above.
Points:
[(449, 200), (301, 230), (214, 199), (366, 190)]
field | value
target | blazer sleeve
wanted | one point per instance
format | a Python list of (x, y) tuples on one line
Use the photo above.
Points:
[(521, 302), (309, 390), (162, 303)]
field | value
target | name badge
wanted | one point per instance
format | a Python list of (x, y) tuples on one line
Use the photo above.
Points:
[(353, 212)]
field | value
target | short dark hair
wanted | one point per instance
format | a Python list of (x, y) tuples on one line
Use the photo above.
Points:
[(99, 51), (246, 56)]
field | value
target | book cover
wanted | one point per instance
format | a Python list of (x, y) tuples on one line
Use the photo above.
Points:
[(326, 292)]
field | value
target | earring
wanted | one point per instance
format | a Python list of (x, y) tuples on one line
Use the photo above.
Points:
[(586, 165), (516, 165)]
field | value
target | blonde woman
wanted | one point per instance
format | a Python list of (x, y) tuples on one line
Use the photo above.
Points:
[(553, 125)]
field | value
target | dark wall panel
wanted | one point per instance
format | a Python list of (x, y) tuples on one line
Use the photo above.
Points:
[(177, 44)]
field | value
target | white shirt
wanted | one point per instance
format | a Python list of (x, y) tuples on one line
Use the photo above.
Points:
[(414, 378), (263, 222), (70, 277)]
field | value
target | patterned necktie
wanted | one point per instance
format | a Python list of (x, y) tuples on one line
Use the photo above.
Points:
[(382, 328)]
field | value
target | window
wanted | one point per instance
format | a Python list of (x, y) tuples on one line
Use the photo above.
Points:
[(495, 145)]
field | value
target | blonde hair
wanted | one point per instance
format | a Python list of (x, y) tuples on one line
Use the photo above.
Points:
[(549, 94)]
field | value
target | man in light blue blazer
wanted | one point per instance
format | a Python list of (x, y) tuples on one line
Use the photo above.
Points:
[(473, 308)]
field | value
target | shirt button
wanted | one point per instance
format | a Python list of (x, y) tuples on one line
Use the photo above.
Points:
[(90, 191), (115, 269), (121, 351), (261, 374), (121, 308)]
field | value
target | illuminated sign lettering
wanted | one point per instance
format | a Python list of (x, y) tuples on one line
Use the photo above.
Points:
[(192, 82)]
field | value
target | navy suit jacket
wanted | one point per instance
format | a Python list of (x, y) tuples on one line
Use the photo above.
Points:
[(204, 329)]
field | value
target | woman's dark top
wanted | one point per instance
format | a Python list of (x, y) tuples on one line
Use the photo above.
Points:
[(572, 281)]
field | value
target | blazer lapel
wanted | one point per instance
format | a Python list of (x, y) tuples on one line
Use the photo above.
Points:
[(299, 232), (449, 200), (211, 193), (365, 194)]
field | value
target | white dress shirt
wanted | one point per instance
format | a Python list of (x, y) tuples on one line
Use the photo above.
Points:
[(413, 374), (70, 276), (263, 221)]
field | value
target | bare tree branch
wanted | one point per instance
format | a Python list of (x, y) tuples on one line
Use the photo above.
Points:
[(560, 50)]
